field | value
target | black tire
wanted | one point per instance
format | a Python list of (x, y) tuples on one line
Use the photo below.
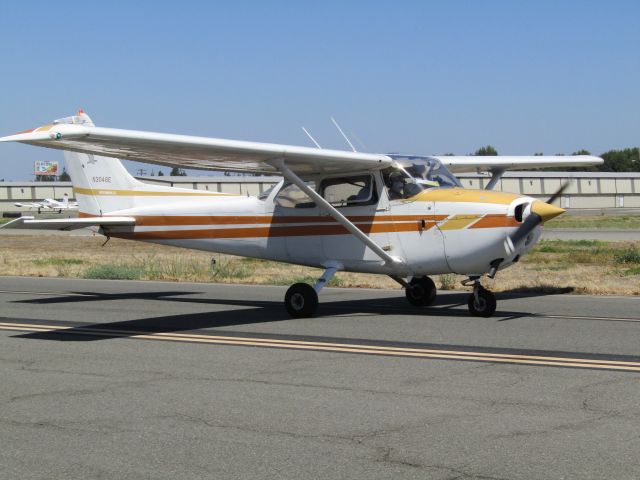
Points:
[(486, 304), (422, 292), (301, 300)]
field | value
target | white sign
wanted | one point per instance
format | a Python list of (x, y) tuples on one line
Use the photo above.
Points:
[(45, 167)]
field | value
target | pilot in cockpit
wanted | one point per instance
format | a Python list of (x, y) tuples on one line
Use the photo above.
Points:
[(413, 174), (399, 185)]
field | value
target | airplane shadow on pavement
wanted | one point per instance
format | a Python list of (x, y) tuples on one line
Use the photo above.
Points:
[(257, 311), (74, 297)]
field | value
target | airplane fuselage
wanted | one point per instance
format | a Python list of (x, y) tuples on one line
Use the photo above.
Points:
[(437, 231)]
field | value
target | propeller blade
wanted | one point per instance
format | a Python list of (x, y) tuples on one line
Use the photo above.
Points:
[(531, 222), (559, 192), (540, 212)]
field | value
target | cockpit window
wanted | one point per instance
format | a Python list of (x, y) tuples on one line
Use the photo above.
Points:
[(264, 195), (290, 196), (415, 175), (349, 191)]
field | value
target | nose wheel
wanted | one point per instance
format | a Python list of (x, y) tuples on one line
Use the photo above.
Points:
[(482, 302)]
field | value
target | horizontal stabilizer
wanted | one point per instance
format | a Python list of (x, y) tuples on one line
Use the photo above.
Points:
[(30, 223)]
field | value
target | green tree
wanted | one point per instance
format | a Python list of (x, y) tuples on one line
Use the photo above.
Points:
[(160, 173), (487, 151), (64, 176), (178, 172), (627, 160)]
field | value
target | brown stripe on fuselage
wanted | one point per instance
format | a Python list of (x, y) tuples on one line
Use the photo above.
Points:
[(495, 221), (262, 232), (268, 228), (182, 220)]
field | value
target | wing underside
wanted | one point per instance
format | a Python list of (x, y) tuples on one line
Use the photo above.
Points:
[(197, 152), (460, 164), (77, 133)]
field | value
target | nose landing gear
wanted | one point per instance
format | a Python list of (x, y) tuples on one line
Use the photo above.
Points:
[(482, 303)]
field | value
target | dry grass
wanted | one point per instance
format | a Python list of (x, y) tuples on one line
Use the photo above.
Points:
[(578, 267), (624, 222)]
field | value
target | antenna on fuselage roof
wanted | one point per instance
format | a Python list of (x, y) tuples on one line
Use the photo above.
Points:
[(357, 139), (312, 139), (342, 133)]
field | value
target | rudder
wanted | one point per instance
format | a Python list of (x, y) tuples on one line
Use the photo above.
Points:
[(93, 174)]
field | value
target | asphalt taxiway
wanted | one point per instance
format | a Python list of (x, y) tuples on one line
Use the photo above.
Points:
[(109, 379)]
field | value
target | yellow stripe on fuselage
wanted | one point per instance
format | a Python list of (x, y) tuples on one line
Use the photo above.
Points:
[(465, 195), (458, 222), (99, 192)]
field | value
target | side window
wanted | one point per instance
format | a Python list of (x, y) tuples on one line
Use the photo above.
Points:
[(349, 191), (291, 196)]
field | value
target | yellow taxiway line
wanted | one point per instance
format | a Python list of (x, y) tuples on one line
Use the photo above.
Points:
[(333, 347)]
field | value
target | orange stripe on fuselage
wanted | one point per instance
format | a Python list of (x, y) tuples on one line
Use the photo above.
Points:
[(262, 232), (182, 220), (275, 226), (496, 221)]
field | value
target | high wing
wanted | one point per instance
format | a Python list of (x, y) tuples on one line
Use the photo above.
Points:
[(202, 153), (459, 164), (78, 133), (32, 205), (30, 223)]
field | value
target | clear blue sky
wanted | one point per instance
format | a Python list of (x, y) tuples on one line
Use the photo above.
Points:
[(405, 76)]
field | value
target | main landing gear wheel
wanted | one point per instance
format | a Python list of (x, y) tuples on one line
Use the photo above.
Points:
[(421, 292), (482, 303), (301, 300)]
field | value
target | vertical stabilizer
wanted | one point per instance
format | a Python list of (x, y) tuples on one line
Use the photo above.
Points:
[(98, 182)]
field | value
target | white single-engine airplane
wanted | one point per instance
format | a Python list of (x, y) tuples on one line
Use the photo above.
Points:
[(403, 216), (50, 204)]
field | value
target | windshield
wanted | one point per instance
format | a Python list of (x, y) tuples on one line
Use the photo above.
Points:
[(427, 171), (416, 174)]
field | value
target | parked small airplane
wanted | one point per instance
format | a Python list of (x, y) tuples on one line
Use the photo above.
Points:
[(403, 216), (51, 204)]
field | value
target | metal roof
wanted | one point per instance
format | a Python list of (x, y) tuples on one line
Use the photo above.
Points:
[(274, 179)]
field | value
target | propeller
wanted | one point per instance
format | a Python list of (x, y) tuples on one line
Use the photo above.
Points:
[(559, 192), (540, 213)]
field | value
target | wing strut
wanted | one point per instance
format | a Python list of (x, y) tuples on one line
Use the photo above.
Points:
[(496, 175), (341, 219)]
